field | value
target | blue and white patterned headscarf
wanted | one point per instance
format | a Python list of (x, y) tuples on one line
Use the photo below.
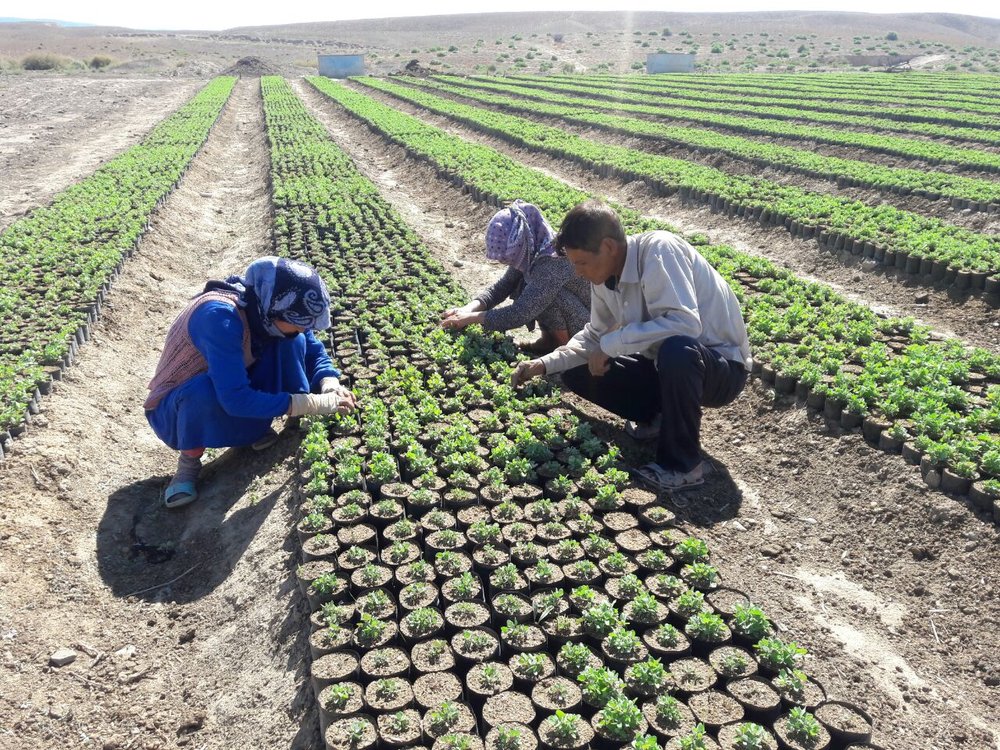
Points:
[(274, 289), (517, 235)]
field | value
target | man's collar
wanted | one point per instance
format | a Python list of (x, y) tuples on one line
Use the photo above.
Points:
[(630, 272)]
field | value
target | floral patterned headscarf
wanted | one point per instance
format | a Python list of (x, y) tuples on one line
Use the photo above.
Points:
[(517, 235)]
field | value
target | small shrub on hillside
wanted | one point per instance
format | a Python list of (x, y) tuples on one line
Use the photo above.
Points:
[(41, 61)]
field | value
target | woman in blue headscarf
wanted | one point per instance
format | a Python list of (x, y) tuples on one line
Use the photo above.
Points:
[(241, 353), (540, 282)]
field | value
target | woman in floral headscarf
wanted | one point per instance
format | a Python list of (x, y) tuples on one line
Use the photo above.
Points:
[(241, 353), (541, 283)]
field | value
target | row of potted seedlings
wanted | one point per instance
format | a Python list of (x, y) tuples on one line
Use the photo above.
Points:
[(479, 568), (643, 633)]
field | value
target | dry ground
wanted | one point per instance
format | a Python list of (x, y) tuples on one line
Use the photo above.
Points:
[(57, 130), (205, 649)]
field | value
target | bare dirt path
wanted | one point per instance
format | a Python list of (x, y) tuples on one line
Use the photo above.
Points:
[(968, 317), (187, 625), (58, 129), (892, 587)]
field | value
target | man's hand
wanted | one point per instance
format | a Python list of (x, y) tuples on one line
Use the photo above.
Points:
[(459, 319), (525, 371), (598, 363)]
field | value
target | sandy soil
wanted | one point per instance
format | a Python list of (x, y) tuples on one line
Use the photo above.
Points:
[(187, 625), (890, 585), (54, 133), (970, 317)]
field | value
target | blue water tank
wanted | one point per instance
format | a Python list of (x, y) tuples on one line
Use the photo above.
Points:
[(341, 66), (670, 62)]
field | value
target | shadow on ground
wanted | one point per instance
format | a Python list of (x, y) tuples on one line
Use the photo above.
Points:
[(180, 555), (713, 502)]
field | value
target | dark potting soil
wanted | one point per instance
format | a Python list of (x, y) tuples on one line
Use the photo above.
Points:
[(431, 690), (727, 738), (387, 728), (527, 740), (508, 706), (428, 656), (713, 708), (556, 694), (392, 694), (338, 734), (505, 678), (585, 734), (395, 662)]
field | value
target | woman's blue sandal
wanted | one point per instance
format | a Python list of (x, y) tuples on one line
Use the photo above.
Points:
[(179, 495)]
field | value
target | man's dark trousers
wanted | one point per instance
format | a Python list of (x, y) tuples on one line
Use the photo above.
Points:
[(686, 377)]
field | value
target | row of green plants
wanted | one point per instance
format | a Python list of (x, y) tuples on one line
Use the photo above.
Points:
[(792, 87), (57, 263), (815, 214), (939, 396), (914, 85), (910, 148), (765, 105), (464, 540), (979, 194), (665, 101)]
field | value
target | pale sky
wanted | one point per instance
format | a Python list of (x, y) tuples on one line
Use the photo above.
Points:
[(198, 14)]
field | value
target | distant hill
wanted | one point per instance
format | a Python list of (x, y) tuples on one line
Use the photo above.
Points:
[(536, 42), (823, 23), (66, 24)]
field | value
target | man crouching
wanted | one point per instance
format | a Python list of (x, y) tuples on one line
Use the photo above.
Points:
[(665, 338)]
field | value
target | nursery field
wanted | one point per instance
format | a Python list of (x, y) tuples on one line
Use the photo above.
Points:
[(464, 566)]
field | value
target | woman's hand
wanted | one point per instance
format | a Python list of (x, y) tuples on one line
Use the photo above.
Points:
[(347, 402), (460, 317)]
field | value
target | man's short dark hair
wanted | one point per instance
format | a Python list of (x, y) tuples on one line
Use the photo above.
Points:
[(587, 225)]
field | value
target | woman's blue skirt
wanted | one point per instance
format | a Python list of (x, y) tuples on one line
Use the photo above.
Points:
[(190, 415)]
